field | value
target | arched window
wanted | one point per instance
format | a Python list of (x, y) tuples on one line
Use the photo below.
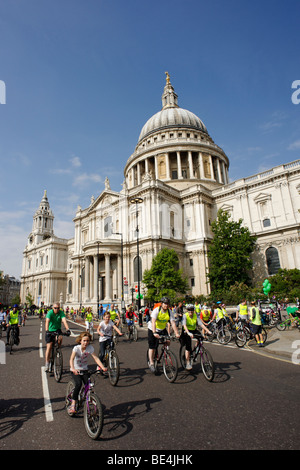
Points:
[(135, 267), (273, 261), (70, 286), (40, 288)]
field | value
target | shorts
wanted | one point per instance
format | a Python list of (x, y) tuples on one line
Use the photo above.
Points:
[(257, 329), (129, 322), (49, 336), (152, 341)]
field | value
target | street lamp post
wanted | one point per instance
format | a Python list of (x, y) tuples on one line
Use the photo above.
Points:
[(122, 269), (136, 201)]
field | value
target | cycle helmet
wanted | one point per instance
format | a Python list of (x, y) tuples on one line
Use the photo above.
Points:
[(165, 300), (190, 307)]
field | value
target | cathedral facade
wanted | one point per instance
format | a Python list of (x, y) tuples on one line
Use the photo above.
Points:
[(174, 184)]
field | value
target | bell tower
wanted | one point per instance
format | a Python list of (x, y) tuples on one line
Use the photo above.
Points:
[(42, 227)]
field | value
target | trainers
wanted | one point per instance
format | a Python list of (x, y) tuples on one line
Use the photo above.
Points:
[(188, 366), (152, 368), (47, 367)]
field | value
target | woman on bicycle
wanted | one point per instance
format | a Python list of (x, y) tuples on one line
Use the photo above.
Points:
[(79, 365), (129, 317), (105, 332), (190, 321), (89, 320), (161, 318)]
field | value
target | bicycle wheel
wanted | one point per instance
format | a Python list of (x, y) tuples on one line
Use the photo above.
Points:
[(170, 366), (264, 334), (58, 364), (11, 340), (224, 336), (135, 334), (93, 416), (182, 356), (240, 338), (69, 394), (92, 333), (113, 367), (207, 364), (281, 326)]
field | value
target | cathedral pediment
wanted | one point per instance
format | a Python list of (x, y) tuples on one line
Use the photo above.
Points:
[(261, 197)]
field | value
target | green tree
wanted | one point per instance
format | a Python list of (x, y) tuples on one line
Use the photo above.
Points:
[(164, 278), (229, 253), (286, 283)]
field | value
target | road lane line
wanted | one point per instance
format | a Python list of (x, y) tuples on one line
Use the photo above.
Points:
[(47, 401)]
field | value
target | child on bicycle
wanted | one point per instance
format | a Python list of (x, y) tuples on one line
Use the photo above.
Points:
[(190, 321), (105, 332), (79, 365)]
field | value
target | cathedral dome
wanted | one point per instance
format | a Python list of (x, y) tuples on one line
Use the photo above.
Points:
[(172, 117)]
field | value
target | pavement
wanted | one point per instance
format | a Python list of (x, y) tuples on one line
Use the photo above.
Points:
[(283, 344)]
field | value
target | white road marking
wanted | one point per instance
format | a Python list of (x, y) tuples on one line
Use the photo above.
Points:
[(47, 401)]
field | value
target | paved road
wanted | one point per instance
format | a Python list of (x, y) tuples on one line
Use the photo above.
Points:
[(253, 402)]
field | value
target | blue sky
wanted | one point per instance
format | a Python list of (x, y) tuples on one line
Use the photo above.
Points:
[(83, 76)]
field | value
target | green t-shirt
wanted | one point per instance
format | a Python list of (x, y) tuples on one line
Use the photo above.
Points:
[(55, 319)]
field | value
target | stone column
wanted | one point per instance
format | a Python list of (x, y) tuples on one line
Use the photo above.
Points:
[(179, 171), (107, 277)]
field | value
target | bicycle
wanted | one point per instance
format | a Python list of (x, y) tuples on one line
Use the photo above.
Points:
[(206, 360), (111, 361), (245, 333), (13, 338), (290, 321), (90, 330), (56, 358), (132, 334), (168, 358), (223, 334), (92, 406)]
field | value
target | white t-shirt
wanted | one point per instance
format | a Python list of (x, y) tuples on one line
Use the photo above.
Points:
[(81, 357), (107, 329)]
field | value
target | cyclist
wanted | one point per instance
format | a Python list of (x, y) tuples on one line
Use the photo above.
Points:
[(129, 317), (2, 318), (242, 311), (205, 316), (89, 320), (114, 315), (161, 318), (14, 319), (256, 324), (79, 365), (105, 332), (54, 318), (219, 315), (190, 321)]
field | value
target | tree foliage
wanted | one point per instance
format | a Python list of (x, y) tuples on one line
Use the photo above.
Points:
[(286, 283), (229, 253), (164, 278)]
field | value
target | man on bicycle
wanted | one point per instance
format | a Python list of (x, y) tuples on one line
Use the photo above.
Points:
[(114, 315), (14, 320), (54, 318), (161, 317), (89, 320), (242, 312)]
